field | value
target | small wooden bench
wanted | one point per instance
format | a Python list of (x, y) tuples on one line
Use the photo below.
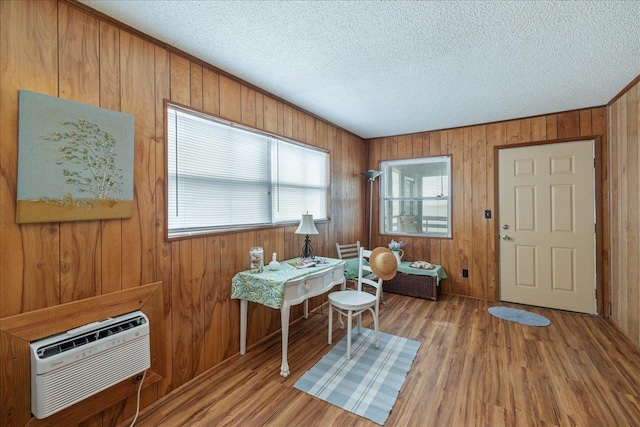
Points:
[(416, 282)]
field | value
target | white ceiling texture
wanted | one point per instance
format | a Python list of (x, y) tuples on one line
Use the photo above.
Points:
[(381, 68)]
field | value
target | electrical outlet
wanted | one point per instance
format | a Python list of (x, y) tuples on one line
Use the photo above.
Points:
[(465, 272)]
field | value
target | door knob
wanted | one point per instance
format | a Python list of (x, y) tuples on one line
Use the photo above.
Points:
[(505, 237)]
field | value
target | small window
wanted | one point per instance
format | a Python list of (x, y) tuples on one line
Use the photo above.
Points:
[(415, 196), (221, 175)]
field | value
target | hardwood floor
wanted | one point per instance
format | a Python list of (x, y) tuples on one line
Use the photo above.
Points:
[(472, 369)]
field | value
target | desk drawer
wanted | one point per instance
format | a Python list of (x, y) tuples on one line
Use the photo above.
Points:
[(336, 276), (304, 287)]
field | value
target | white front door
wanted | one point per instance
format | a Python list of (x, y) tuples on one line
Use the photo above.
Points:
[(547, 226)]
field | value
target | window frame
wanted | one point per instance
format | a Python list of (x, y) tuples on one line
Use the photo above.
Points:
[(385, 167), (232, 229)]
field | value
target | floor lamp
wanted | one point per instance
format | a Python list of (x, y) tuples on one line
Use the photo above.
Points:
[(371, 175)]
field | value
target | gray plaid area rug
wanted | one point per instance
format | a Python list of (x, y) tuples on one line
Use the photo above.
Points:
[(369, 383)]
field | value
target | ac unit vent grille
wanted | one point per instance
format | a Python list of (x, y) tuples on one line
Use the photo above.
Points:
[(75, 342)]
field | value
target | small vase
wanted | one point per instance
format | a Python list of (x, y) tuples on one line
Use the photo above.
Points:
[(398, 255)]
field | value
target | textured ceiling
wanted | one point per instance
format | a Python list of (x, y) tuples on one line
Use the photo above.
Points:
[(395, 67)]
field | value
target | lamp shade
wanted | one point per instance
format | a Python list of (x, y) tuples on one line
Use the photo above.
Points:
[(371, 174), (306, 225)]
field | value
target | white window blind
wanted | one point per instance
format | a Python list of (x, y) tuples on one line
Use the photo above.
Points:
[(223, 176)]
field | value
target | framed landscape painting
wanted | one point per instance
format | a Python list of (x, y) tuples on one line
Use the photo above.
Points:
[(75, 161)]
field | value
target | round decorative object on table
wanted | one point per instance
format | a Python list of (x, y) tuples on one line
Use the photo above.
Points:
[(274, 264)]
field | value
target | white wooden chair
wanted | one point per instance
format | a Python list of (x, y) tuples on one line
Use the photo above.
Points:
[(348, 250), (352, 303)]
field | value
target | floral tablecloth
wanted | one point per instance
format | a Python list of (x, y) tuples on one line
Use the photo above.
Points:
[(267, 288)]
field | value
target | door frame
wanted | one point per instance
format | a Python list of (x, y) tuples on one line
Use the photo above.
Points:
[(602, 298)]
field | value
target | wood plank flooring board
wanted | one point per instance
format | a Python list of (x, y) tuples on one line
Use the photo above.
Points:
[(472, 369)]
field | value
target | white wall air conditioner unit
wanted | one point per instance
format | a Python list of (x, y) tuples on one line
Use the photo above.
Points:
[(71, 366)]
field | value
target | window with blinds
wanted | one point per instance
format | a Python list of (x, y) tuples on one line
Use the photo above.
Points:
[(415, 197), (221, 175)]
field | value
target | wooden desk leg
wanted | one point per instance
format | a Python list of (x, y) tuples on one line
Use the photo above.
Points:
[(284, 319), (243, 325)]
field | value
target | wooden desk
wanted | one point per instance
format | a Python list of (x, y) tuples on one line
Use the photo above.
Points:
[(303, 284)]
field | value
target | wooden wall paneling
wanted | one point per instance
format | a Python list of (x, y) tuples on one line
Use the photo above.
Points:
[(270, 114), (598, 124), (585, 122), (435, 245), (225, 304), (405, 149), (321, 133), (196, 306), (248, 99), (568, 124), (80, 241), (163, 249), (198, 271), (375, 157), (196, 87), (446, 256), (633, 230), (468, 214), (302, 126), (211, 91), (111, 232), (338, 203), (260, 111), (614, 167), (29, 266), (357, 164), (182, 313), (514, 132), (333, 231), (455, 246), (294, 124), (138, 98), (421, 248), (310, 129), (623, 237), (211, 281), (78, 37), (481, 227), (552, 126), (180, 79), (230, 99), (287, 119), (496, 135), (538, 128), (618, 165), (15, 366), (417, 145)]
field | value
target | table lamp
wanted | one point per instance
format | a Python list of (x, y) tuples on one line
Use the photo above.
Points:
[(307, 227)]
